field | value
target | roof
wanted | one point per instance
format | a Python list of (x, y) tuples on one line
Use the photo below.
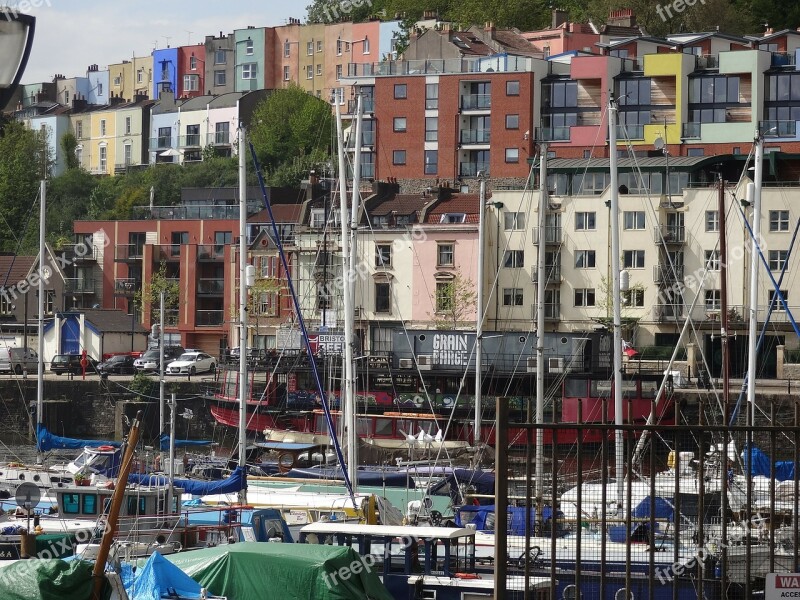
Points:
[(14, 269), (771, 36), (283, 213), (679, 163), (111, 320), (636, 38), (691, 38), (402, 204), (461, 203), (389, 530)]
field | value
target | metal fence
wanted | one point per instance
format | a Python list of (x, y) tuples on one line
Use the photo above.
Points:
[(695, 515)]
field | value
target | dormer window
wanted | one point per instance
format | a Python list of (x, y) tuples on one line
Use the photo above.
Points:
[(453, 218)]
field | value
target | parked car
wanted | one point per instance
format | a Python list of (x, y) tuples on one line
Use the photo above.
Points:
[(71, 363), (190, 363), (149, 360), (120, 363), (17, 360)]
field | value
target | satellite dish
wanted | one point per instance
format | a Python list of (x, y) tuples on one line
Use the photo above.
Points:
[(27, 495), (658, 143)]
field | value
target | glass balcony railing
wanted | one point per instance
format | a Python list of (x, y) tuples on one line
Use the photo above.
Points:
[(778, 128), (475, 136), (552, 273), (76, 285), (552, 134), (669, 234), (219, 138), (189, 141), (128, 252), (552, 234), (127, 286), (210, 252), (665, 273), (210, 318), (160, 143), (783, 59), (691, 130), (471, 169), (210, 286), (476, 102), (552, 312)]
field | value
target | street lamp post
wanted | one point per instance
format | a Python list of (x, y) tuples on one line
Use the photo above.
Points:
[(16, 40)]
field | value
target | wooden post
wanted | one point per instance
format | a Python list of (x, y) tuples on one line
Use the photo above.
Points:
[(501, 500)]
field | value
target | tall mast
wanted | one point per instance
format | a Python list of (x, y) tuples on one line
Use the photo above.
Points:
[(476, 427), (753, 324), (540, 291), (242, 305), (40, 319), (616, 349)]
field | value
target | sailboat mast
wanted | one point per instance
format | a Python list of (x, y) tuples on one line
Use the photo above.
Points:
[(753, 324), (616, 348), (40, 313), (476, 427), (242, 305), (349, 318), (723, 299), (540, 291)]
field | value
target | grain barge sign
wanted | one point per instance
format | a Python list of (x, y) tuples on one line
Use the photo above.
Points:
[(326, 343), (450, 349), (782, 585)]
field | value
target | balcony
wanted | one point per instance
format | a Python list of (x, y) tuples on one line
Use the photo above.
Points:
[(76, 285), (552, 134), (705, 62), (475, 136), (471, 169), (552, 273), (670, 234), (166, 252), (367, 106), (552, 234), (171, 317), (691, 131), (552, 311), (79, 253), (781, 129), (783, 59), (663, 313), (210, 286), (207, 211), (476, 102), (388, 68), (128, 252), (209, 318), (219, 138), (666, 274), (630, 132), (120, 168), (189, 141), (210, 253), (160, 143), (126, 287)]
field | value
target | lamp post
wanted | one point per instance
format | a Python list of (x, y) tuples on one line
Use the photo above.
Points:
[(16, 40)]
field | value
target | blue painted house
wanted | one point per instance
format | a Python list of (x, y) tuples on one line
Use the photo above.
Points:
[(165, 71)]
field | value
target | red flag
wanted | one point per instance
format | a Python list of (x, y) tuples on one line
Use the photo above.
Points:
[(628, 350)]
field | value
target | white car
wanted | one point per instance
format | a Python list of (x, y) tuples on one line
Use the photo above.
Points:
[(190, 363)]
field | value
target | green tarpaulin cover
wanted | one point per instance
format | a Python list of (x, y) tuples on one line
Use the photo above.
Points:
[(46, 579), (265, 571)]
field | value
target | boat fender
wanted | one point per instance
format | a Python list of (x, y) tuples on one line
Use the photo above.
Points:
[(286, 462), (467, 576), (105, 448)]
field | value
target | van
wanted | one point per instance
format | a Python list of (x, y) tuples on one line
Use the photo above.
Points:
[(18, 360)]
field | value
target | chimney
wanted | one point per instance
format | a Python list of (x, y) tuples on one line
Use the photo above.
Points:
[(769, 31), (622, 18), (559, 18), (488, 27), (78, 104)]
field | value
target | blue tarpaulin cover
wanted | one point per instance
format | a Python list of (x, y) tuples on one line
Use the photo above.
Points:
[(164, 441), (760, 465), (47, 441), (483, 518), (237, 481), (157, 578)]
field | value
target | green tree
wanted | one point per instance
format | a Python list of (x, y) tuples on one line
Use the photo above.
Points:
[(327, 11), (454, 301), (69, 143), (149, 296)]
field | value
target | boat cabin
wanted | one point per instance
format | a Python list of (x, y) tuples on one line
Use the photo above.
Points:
[(139, 503)]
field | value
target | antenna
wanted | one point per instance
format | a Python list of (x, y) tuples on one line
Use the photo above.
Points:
[(189, 41)]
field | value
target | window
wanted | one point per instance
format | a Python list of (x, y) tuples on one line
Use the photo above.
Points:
[(191, 83), (164, 137), (512, 121), (399, 124), (338, 72), (585, 221), (383, 255), (49, 301), (584, 297), (444, 296), (777, 259), (79, 155), (514, 259), (633, 219), (192, 63), (431, 162), (127, 125), (512, 297), (400, 91), (220, 78), (338, 47), (512, 155), (713, 299), (310, 48), (220, 57), (779, 220), (711, 260), (512, 88), (712, 220), (774, 300), (78, 129), (103, 159), (695, 151), (319, 69), (287, 49), (286, 75), (319, 45), (399, 157), (383, 297), (309, 71), (70, 504), (584, 259), (222, 239), (365, 46), (633, 298), (117, 81), (249, 70), (6, 305), (102, 127), (513, 221), (633, 259), (222, 133), (140, 76), (445, 255), (127, 150), (431, 96), (99, 89), (431, 129), (179, 238), (453, 218)]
